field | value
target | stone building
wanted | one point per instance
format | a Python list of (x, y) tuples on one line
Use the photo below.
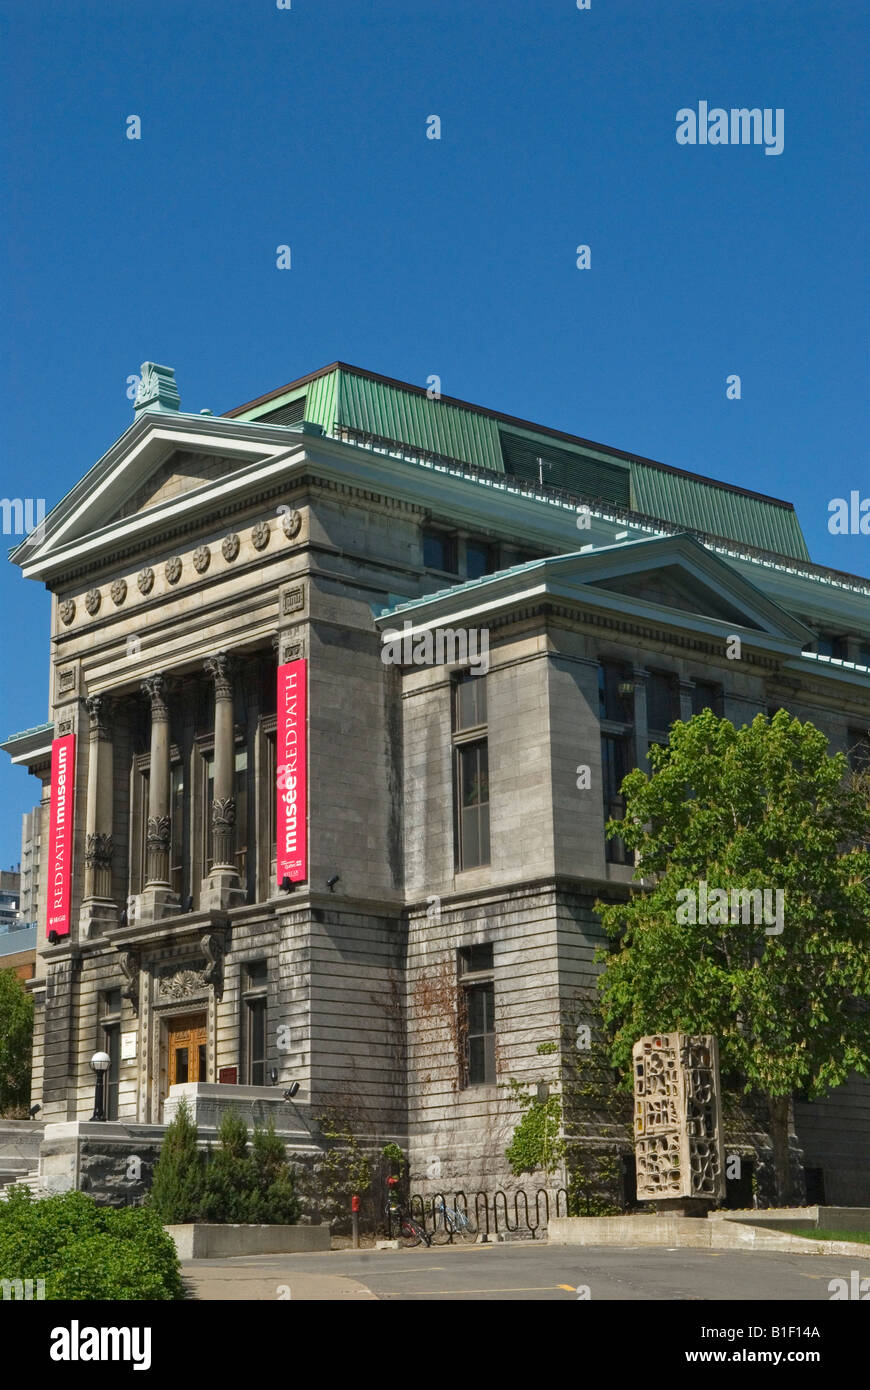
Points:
[(31, 845), (557, 603)]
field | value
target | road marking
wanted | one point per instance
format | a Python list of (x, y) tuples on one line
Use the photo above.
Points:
[(450, 1293)]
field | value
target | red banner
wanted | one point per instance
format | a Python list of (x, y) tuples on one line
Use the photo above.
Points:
[(292, 777), (60, 838)]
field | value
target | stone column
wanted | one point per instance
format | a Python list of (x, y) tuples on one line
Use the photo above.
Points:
[(222, 889), (98, 910), (157, 901)]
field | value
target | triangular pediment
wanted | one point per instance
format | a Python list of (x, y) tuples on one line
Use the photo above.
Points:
[(673, 587), (164, 463), (668, 579), (184, 470)]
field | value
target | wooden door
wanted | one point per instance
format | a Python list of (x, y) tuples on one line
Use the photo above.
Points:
[(187, 1049)]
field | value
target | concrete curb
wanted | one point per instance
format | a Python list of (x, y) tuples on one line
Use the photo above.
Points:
[(691, 1233)]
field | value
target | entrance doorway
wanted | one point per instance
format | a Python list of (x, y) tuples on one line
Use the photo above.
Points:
[(186, 1037)]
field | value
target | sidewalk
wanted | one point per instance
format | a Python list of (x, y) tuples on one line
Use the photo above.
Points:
[(234, 1280)]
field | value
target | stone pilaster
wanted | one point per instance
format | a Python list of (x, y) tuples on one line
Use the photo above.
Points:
[(98, 910)]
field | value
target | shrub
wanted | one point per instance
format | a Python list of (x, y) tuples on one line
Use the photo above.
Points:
[(87, 1252), (177, 1191), (229, 1177)]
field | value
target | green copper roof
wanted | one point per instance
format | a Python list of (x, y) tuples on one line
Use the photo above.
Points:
[(703, 506), (346, 397)]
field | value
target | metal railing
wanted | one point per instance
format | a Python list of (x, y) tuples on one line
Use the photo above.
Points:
[(492, 1214), (607, 510)]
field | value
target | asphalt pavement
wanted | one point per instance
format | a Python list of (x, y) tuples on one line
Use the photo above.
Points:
[(524, 1271)]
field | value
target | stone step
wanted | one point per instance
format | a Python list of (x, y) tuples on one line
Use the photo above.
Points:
[(31, 1180)]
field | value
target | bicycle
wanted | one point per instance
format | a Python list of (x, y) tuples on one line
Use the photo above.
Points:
[(410, 1230), (453, 1222)]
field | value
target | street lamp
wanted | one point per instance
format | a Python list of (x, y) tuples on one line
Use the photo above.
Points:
[(99, 1066)]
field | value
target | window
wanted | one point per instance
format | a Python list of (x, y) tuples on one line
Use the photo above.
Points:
[(111, 1043), (479, 559), (662, 706), (255, 976), (176, 860), (477, 1004), (616, 763), (439, 552), (469, 703), (141, 792), (471, 772), (829, 645), (615, 700), (706, 695)]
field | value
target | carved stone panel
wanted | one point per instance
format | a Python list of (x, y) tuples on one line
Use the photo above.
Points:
[(260, 535), (186, 980), (145, 580), (93, 598), (230, 547), (201, 559), (67, 611), (172, 569), (293, 600), (118, 591), (677, 1123)]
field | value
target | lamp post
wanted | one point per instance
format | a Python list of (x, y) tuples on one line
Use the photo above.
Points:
[(99, 1066)]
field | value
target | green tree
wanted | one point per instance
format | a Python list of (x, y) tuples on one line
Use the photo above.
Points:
[(229, 1179), (16, 1042), (760, 807), (177, 1190), (274, 1197)]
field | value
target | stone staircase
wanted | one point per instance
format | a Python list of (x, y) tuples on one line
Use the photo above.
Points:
[(25, 1179), (19, 1155)]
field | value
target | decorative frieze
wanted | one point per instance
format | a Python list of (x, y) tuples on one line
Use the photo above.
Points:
[(291, 522), (183, 981), (67, 611), (230, 547), (145, 580), (201, 559), (260, 533), (118, 591), (93, 599), (172, 569)]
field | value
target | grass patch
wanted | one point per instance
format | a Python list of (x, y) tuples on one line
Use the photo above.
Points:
[(814, 1233)]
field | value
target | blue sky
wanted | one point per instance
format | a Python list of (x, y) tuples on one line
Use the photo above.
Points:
[(412, 256)]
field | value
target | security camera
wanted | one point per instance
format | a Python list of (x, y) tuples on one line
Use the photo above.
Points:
[(331, 882)]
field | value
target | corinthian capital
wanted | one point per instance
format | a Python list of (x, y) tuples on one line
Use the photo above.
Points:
[(220, 668), (99, 708), (155, 688)]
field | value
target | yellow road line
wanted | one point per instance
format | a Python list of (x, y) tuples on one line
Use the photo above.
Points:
[(448, 1293)]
